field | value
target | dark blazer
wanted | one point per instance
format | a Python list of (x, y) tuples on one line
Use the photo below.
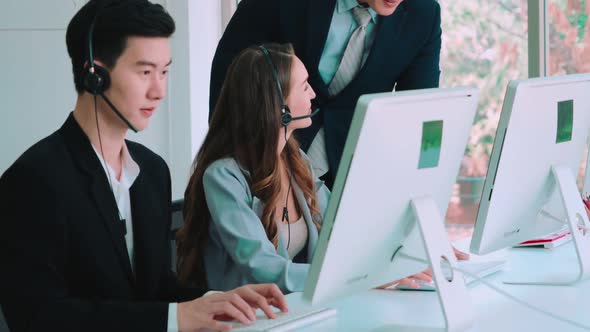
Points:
[(405, 52), (64, 260)]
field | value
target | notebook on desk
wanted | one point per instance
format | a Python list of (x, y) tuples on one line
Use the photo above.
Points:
[(549, 241)]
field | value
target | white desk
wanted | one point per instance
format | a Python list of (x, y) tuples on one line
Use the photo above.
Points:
[(377, 310)]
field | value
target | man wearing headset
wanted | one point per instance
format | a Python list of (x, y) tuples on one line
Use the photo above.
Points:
[(85, 214)]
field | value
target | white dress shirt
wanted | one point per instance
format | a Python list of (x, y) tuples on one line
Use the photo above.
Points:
[(130, 172)]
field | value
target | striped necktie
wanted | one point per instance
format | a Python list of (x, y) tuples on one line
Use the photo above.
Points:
[(351, 63), (353, 54)]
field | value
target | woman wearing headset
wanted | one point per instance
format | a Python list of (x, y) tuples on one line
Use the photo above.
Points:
[(253, 206)]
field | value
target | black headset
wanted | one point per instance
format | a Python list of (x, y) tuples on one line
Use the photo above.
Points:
[(286, 117), (96, 79)]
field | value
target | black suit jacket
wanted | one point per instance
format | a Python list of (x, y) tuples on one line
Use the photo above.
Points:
[(64, 260), (405, 52)]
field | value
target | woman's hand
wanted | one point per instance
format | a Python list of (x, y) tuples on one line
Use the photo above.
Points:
[(426, 275)]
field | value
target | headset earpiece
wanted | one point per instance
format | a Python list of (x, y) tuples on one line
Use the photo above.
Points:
[(96, 82), (96, 79), (286, 117)]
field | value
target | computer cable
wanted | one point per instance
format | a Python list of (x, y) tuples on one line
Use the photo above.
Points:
[(122, 221), (506, 294), (285, 209)]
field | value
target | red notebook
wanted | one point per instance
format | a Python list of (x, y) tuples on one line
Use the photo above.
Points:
[(549, 241)]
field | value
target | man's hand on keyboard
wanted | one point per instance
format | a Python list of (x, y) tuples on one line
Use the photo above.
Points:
[(263, 296), (239, 304)]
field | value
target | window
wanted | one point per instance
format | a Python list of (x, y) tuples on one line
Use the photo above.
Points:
[(484, 45), (568, 39), (568, 36)]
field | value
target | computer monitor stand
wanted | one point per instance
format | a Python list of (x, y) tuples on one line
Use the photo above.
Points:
[(577, 220), (452, 294)]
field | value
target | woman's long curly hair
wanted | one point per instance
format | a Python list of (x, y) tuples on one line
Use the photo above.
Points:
[(245, 126)]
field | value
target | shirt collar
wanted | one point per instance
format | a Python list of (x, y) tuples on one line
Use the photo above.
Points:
[(347, 5), (130, 170)]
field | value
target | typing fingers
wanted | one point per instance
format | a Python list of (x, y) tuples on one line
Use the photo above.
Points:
[(242, 305), (276, 297), (226, 308), (409, 282), (261, 302), (460, 254), (265, 295), (423, 276)]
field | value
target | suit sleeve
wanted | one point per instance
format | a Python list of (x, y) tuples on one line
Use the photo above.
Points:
[(424, 71), (253, 23), (33, 254), (243, 235)]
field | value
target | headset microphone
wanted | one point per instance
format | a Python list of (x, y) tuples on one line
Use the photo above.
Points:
[(316, 111), (119, 114)]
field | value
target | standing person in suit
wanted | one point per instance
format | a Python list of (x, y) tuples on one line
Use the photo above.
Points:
[(85, 214), (350, 47), (253, 206)]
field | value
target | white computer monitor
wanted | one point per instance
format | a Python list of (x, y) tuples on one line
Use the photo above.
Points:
[(530, 188), (400, 162), (586, 179)]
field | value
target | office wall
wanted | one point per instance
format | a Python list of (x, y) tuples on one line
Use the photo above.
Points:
[(193, 46), (37, 91)]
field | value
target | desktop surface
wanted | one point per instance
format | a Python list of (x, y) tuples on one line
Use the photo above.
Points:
[(381, 310)]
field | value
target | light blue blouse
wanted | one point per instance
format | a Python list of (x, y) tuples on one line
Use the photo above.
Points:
[(238, 251)]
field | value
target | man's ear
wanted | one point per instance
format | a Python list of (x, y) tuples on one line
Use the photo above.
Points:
[(97, 62)]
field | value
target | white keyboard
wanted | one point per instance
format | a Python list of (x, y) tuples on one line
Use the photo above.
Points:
[(287, 321)]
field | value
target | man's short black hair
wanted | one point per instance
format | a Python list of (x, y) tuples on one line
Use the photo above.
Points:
[(116, 20)]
